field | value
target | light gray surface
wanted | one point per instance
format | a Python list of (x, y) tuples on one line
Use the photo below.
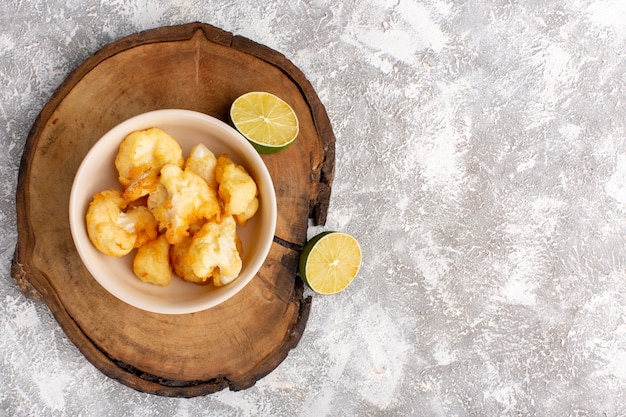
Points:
[(481, 163)]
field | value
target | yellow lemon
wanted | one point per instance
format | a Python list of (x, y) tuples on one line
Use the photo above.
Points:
[(330, 261), (268, 122)]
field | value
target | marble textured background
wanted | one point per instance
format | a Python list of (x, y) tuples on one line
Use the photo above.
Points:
[(481, 162)]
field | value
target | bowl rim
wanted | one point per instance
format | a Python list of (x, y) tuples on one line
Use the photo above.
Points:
[(149, 119)]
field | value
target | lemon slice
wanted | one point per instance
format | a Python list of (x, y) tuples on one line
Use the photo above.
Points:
[(330, 261), (268, 122)]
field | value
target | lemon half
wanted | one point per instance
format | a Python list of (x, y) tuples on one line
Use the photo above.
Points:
[(330, 261), (267, 121)]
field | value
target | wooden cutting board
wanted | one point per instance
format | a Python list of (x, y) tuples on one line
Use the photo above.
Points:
[(202, 68)]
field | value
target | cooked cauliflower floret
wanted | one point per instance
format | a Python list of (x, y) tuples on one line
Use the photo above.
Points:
[(202, 161), (242, 218), (140, 220), (141, 156), (214, 252), (180, 266), (113, 231), (180, 199), (237, 189), (142, 186), (152, 264)]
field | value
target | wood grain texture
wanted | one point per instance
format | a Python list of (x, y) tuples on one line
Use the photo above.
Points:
[(202, 68)]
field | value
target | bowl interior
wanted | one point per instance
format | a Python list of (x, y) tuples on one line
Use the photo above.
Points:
[(97, 172)]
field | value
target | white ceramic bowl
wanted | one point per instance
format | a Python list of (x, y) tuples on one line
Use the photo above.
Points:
[(97, 172)]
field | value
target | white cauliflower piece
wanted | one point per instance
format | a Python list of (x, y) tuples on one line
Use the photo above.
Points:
[(142, 186), (151, 263), (141, 156), (237, 189), (180, 266), (113, 231), (202, 161), (177, 258), (215, 252), (139, 219), (180, 199)]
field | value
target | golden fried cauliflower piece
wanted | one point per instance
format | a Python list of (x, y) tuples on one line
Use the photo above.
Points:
[(251, 209), (237, 189), (141, 156), (180, 266), (181, 199), (142, 186), (214, 251), (113, 231), (151, 263), (140, 220), (177, 257), (202, 161)]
